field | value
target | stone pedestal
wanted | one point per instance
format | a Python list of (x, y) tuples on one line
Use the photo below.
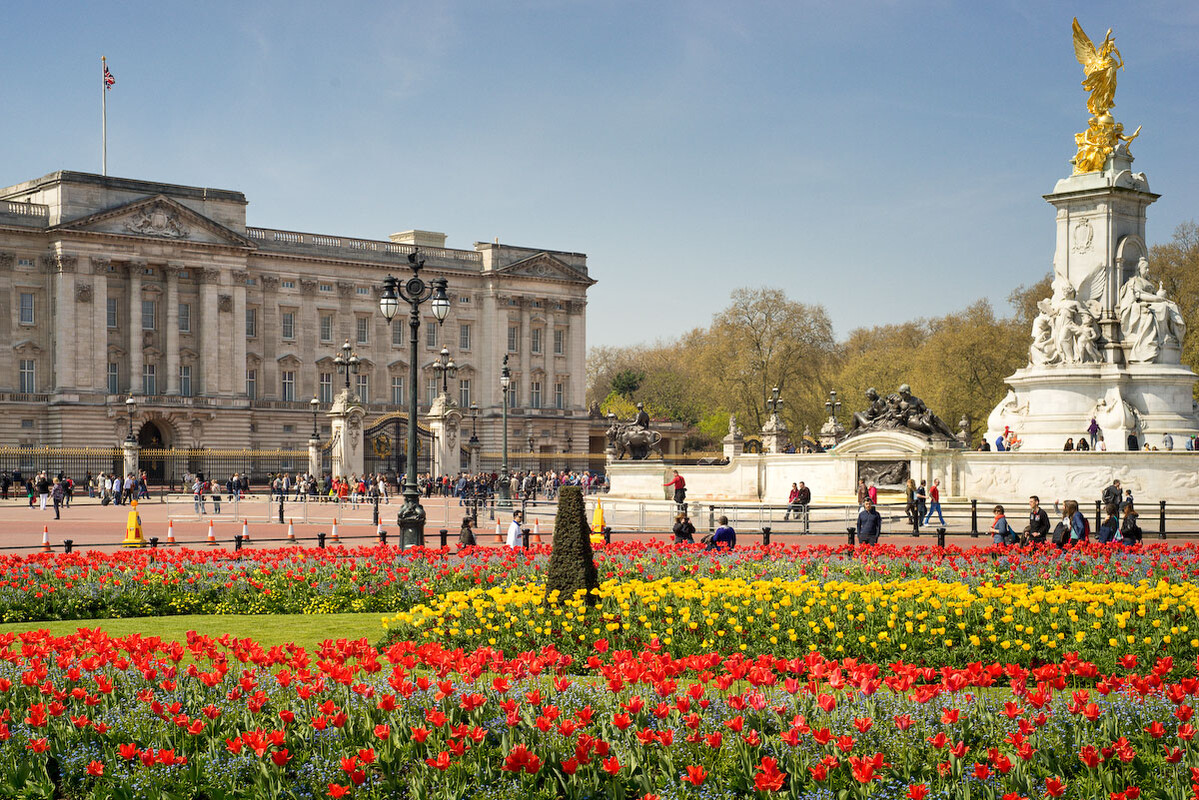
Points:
[(314, 457), (831, 433), (733, 445), (445, 422), (774, 436), (346, 431), (475, 453), (130, 449)]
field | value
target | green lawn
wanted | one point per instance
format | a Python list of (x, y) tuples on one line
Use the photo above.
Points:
[(306, 630)]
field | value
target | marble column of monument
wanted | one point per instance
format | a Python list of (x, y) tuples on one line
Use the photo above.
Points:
[(345, 424)]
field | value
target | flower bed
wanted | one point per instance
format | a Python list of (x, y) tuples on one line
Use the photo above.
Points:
[(162, 582), (90, 716)]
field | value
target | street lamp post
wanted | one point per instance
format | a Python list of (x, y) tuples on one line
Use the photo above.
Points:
[(131, 409), (314, 404), (347, 361), (505, 381), (474, 424), (448, 369), (414, 291)]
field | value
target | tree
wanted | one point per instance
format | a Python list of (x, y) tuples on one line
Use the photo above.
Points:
[(572, 562), (627, 382), (1176, 265)]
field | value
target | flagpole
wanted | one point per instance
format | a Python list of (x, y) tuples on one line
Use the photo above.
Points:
[(103, 118)]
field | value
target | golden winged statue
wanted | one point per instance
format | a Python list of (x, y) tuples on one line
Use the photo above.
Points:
[(1100, 66)]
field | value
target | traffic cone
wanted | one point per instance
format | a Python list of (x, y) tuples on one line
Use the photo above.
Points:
[(291, 533), (170, 533), (133, 528), (536, 536), (211, 535), (333, 538), (499, 537), (245, 531), (46, 539), (379, 532)]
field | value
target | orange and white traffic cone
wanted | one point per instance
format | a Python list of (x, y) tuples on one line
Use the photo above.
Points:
[(379, 532), (245, 531), (333, 538), (211, 535), (170, 533), (536, 536), (291, 533), (499, 537), (46, 539)]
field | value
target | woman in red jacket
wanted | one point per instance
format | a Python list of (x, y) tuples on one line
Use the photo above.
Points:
[(680, 490)]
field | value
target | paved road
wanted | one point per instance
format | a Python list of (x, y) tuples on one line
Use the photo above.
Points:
[(91, 526)]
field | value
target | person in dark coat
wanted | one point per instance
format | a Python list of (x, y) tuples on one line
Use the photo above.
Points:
[(684, 531), (870, 523), (725, 537), (466, 535)]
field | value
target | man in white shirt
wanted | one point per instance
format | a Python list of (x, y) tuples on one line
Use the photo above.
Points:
[(514, 531)]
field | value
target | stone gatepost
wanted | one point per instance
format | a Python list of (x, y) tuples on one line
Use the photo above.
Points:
[(445, 424), (475, 456), (346, 425), (130, 448), (314, 457)]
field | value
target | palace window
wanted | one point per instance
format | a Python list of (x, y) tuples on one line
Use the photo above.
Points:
[(288, 324), (326, 387), (559, 395), (114, 377), (289, 386), (149, 315), (464, 393), (289, 284), (363, 290), (251, 323), (28, 376), (397, 334), (535, 394), (364, 330), (185, 380), (430, 391), (326, 287), (185, 318), (149, 379), (27, 308), (464, 336), (431, 334), (514, 392), (397, 391), (252, 383), (513, 338), (535, 345), (364, 388), (559, 342), (110, 307), (326, 328)]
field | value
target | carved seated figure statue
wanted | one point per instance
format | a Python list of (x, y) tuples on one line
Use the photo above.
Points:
[(1043, 350), (1148, 319)]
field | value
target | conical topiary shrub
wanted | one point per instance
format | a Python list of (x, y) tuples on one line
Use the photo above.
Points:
[(572, 564)]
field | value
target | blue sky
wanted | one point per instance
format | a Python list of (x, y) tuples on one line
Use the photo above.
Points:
[(884, 159)]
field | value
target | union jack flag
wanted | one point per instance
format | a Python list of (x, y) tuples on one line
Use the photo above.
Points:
[(109, 80)]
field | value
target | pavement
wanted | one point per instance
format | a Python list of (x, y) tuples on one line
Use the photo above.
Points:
[(94, 527)]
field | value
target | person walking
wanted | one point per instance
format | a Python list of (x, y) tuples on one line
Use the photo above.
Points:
[(680, 490), (215, 489), (58, 494), (198, 497), (862, 493), (934, 503), (1130, 531), (1093, 432), (909, 507), (513, 539), (1111, 495), (921, 499), (1167, 441), (872, 494), (870, 523), (43, 488)]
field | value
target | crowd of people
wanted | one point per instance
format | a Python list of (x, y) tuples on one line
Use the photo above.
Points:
[(1092, 439), (1119, 524), (56, 492)]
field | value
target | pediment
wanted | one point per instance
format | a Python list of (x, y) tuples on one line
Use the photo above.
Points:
[(545, 266), (158, 217)]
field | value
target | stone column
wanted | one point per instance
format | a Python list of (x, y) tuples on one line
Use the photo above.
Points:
[(8, 371), (551, 367), (210, 331), (445, 423), (314, 457), (172, 337), (63, 322), (130, 449), (526, 342), (134, 269), (270, 333), (238, 332), (576, 335), (346, 430), (98, 330)]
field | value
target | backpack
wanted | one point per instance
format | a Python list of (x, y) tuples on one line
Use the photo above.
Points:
[(1086, 530)]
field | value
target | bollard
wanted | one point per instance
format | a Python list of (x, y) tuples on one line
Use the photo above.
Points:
[(1098, 515), (711, 519), (383, 538), (67, 544), (1161, 520), (974, 518), (153, 542), (375, 513), (445, 542), (236, 542), (851, 530), (941, 537), (916, 523), (607, 535), (320, 540), (280, 509), (524, 534), (766, 537)]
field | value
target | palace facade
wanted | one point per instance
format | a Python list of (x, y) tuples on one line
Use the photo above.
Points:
[(223, 333)]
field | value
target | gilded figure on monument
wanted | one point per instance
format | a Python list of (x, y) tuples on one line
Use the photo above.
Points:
[(1100, 65)]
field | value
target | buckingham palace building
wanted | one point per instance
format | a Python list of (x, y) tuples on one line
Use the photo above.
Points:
[(223, 333)]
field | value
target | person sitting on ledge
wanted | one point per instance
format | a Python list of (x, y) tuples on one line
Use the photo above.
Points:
[(1069, 446), (725, 537), (1082, 444)]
